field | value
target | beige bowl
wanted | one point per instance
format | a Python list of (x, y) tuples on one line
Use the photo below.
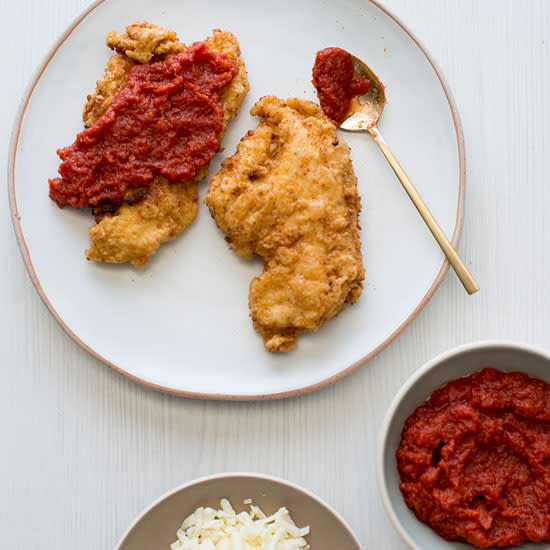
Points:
[(450, 365), (156, 527)]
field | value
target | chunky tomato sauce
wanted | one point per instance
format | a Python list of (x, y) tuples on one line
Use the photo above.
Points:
[(337, 82), (474, 460), (166, 120)]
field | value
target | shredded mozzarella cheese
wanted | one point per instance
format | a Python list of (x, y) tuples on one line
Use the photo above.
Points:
[(224, 529)]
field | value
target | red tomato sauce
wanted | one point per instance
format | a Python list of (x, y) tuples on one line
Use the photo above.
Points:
[(166, 120), (337, 82), (474, 460)]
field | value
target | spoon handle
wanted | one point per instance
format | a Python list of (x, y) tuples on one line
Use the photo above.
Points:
[(454, 259)]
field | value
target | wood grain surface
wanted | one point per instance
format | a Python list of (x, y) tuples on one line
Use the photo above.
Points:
[(84, 449)]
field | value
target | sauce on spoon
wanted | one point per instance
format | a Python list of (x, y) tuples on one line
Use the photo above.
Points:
[(337, 82)]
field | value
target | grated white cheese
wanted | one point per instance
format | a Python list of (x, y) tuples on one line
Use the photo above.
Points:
[(224, 529)]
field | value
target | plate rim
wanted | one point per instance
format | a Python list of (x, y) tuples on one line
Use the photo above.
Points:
[(14, 140)]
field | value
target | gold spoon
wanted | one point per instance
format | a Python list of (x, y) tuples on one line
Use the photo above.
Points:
[(363, 114)]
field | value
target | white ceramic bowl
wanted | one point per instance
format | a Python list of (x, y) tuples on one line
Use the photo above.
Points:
[(156, 526), (448, 366)]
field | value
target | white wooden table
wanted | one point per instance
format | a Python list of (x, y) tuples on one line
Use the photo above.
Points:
[(84, 449)]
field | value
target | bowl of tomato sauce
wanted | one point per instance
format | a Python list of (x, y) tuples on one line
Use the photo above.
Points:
[(464, 451)]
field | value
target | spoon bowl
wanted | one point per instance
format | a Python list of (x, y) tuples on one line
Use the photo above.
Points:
[(365, 110)]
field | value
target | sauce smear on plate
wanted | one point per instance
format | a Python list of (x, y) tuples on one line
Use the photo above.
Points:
[(166, 120), (337, 82)]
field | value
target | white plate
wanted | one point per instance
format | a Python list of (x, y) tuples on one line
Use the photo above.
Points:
[(181, 323)]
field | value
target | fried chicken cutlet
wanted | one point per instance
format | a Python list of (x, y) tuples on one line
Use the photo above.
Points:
[(133, 230), (289, 194)]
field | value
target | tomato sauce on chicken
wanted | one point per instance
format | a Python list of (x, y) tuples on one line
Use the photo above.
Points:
[(166, 120)]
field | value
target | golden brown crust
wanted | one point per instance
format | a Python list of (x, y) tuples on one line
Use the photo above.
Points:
[(107, 88), (232, 95), (289, 194), (136, 229), (143, 41)]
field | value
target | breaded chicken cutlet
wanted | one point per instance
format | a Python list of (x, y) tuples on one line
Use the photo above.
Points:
[(132, 230), (289, 194)]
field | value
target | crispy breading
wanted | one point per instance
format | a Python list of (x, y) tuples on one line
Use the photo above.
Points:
[(143, 41), (135, 232), (136, 229), (289, 194), (107, 88), (233, 94)]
